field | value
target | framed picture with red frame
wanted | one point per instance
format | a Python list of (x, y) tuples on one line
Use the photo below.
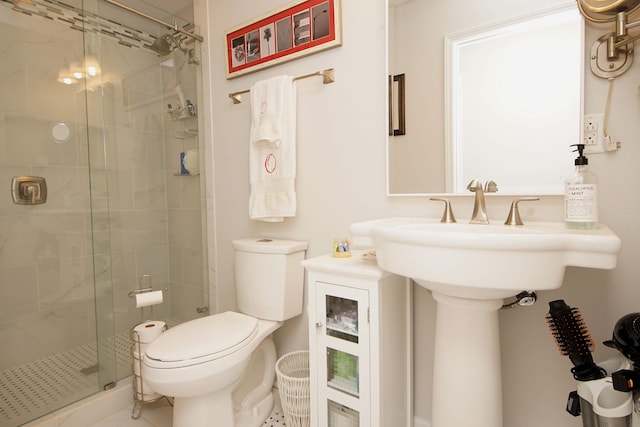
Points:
[(298, 29)]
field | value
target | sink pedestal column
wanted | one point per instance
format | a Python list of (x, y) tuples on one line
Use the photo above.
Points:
[(467, 385)]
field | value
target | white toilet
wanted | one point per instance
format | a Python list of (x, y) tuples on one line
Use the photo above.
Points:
[(220, 369)]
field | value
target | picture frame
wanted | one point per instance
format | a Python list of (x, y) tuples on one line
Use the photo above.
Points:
[(296, 30)]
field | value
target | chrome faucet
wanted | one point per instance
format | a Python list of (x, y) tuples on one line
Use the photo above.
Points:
[(479, 215)]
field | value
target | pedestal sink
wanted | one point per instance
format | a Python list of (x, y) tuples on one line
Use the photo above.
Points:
[(469, 269)]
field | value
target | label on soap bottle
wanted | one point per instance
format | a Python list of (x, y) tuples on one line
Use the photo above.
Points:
[(581, 203)]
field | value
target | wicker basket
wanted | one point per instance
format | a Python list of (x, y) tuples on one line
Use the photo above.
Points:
[(292, 371)]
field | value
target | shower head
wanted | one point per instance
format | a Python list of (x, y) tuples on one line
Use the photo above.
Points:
[(162, 46), (193, 59)]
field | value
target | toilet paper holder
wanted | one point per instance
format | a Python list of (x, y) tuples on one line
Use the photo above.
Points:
[(133, 294), (142, 290), (141, 336), (146, 279)]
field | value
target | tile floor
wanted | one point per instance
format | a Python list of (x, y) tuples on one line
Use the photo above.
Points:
[(30, 388), (33, 388), (158, 414)]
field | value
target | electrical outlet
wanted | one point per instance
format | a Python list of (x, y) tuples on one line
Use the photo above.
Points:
[(593, 133)]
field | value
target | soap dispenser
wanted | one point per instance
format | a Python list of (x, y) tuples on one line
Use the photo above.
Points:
[(581, 195)]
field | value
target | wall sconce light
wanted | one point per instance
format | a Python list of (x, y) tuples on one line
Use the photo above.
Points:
[(77, 70), (91, 65), (65, 77), (612, 54)]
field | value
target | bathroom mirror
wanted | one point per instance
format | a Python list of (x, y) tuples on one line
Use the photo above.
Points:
[(473, 108)]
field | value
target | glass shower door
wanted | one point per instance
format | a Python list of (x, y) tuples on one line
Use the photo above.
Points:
[(48, 261), (83, 105), (100, 125)]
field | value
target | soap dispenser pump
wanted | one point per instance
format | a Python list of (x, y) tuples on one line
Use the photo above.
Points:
[(581, 195)]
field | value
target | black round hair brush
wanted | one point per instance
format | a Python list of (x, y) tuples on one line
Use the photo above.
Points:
[(573, 339)]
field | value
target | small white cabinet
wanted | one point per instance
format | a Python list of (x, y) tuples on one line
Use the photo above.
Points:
[(359, 344)]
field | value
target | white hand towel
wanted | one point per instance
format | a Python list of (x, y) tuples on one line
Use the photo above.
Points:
[(269, 110), (272, 150)]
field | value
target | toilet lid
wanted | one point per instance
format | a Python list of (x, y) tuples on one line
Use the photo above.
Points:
[(206, 338)]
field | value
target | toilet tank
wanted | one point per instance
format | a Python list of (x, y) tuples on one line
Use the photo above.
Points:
[(269, 277)]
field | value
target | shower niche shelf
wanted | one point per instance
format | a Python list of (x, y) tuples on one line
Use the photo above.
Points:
[(187, 133), (186, 174), (190, 111), (176, 116)]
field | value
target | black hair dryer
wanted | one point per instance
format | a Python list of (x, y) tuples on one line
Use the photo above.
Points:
[(626, 339)]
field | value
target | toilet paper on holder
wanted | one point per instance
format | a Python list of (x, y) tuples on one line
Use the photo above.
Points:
[(141, 336), (147, 297)]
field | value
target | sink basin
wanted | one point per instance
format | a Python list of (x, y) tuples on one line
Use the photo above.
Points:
[(469, 269), (484, 261)]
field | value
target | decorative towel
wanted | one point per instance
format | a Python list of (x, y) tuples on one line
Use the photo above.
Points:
[(272, 150)]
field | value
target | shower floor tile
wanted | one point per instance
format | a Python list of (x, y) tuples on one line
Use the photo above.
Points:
[(35, 388)]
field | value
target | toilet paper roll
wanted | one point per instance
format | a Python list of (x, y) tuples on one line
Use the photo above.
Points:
[(143, 335), (146, 332), (145, 299)]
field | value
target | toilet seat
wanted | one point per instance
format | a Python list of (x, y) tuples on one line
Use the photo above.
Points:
[(201, 340)]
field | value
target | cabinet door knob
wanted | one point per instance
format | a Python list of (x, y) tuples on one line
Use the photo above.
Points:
[(319, 324)]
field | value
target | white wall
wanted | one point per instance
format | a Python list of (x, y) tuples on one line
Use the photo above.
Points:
[(341, 179), (340, 140)]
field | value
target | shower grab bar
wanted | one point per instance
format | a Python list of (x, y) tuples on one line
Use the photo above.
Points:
[(173, 26), (328, 76)]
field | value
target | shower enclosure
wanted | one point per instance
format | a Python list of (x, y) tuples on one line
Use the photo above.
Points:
[(101, 192)]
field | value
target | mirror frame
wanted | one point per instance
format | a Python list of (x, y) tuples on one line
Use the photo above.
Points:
[(560, 7)]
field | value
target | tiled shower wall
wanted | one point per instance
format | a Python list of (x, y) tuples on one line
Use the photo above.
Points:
[(145, 220)]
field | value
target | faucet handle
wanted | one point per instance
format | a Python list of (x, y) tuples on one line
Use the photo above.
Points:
[(490, 187), (514, 213), (447, 215)]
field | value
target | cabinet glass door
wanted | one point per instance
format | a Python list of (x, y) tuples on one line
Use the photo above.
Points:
[(342, 318), (341, 315), (343, 355), (342, 371), (341, 416)]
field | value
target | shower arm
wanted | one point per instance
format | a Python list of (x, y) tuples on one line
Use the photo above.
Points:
[(177, 43), (173, 26)]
